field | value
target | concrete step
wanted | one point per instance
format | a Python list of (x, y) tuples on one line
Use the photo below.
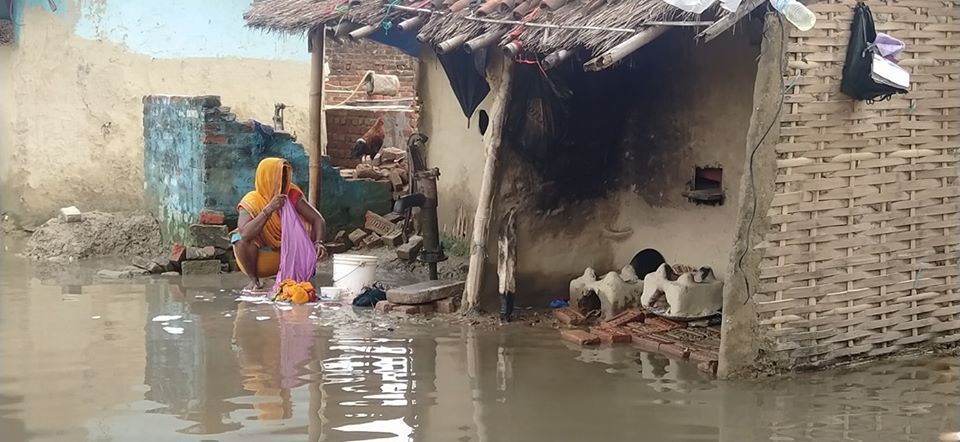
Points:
[(425, 292)]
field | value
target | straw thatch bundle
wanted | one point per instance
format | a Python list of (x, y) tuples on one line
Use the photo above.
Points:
[(617, 17)]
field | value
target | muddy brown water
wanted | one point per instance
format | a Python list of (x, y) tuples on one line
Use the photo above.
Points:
[(82, 359)]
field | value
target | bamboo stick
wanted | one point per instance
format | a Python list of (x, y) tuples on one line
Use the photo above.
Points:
[(451, 44), (363, 32), (624, 49), (552, 60), (556, 26), (481, 220), (316, 117), (412, 23), (483, 41)]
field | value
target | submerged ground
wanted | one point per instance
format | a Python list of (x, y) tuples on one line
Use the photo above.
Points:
[(82, 359)]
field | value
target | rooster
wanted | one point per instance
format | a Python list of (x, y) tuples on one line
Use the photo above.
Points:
[(371, 141)]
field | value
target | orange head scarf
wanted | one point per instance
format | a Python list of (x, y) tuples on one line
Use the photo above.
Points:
[(270, 183)]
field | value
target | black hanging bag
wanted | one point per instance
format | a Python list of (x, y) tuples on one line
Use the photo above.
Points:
[(857, 81)]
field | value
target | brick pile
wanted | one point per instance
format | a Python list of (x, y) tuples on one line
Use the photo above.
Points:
[(648, 332), (379, 230)]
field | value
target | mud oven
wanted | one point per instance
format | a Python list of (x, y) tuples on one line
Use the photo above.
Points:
[(673, 291)]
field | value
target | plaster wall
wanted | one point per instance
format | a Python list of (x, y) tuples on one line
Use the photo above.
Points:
[(72, 86)]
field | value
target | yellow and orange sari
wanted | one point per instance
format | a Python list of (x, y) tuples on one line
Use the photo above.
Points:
[(269, 182)]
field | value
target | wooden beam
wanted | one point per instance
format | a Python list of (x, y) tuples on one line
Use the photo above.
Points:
[(316, 129), (501, 80), (624, 49), (719, 26)]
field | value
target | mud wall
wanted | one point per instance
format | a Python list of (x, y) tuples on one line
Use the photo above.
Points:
[(455, 145), (73, 83), (612, 181)]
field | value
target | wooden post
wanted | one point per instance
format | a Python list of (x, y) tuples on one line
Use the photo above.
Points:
[(481, 221), (315, 146)]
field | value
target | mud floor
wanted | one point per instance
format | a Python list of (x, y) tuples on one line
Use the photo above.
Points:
[(99, 234), (179, 359)]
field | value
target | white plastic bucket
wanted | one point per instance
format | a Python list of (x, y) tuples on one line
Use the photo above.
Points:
[(352, 272)]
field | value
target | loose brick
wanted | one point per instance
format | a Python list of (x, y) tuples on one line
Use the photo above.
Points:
[(177, 254), (357, 236), (568, 316), (703, 355), (579, 337), (200, 253), (675, 350), (413, 309), (394, 217), (625, 317), (378, 224), (215, 139), (708, 367), (650, 343), (212, 217), (71, 214), (411, 249), (447, 306), (370, 240), (652, 325), (393, 239), (384, 306), (611, 335)]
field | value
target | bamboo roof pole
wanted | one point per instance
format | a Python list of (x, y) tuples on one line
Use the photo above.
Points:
[(364, 32), (316, 129), (502, 77), (412, 23), (624, 49), (484, 40)]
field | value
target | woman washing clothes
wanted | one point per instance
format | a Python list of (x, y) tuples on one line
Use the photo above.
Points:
[(257, 240)]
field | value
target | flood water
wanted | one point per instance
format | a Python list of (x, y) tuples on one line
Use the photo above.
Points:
[(86, 360)]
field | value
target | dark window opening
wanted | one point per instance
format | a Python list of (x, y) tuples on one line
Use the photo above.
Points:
[(483, 121), (707, 186)]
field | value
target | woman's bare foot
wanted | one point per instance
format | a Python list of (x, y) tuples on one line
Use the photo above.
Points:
[(255, 285)]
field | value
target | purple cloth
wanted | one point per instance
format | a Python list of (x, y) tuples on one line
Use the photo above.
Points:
[(888, 46), (298, 255)]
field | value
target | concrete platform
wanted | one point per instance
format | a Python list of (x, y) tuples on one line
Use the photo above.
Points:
[(425, 292)]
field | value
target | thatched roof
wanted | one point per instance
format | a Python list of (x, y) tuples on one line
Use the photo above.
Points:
[(591, 25)]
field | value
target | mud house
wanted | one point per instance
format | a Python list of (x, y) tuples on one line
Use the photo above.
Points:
[(616, 126)]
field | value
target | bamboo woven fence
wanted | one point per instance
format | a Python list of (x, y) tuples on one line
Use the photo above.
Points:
[(862, 256)]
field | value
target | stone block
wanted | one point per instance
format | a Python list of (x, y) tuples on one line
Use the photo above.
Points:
[(124, 273), (411, 249), (212, 217), (447, 306), (210, 235), (611, 335), (378, 224), (200, 253), (568, 316), (155, 268), (393, 239), (384, 306), (425, 292), (201, 267), (357, 236), (71, 215), (579, 337)]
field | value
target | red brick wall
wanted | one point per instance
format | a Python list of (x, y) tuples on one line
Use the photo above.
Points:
[(348, 61)]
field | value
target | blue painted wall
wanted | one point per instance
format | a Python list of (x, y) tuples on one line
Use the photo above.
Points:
[(197, 155), (173, 160)]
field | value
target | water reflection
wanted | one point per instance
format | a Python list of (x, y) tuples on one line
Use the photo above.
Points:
[(249, 371)]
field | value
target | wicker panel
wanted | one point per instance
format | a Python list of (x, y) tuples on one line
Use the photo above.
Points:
[(862, 256)]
